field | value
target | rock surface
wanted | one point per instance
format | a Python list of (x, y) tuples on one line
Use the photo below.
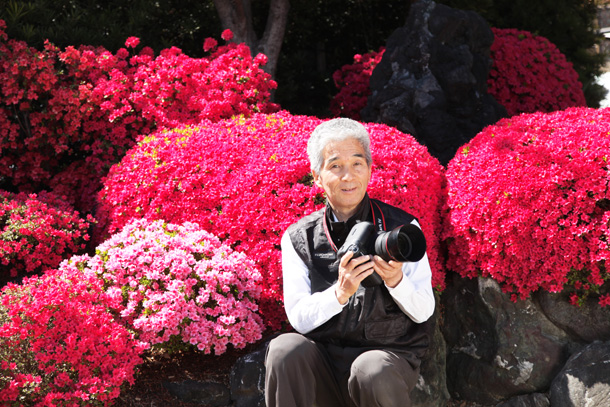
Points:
[(432, 80), (585, 379), (497, 348)]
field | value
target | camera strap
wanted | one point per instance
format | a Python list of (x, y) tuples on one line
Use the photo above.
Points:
[(378, 220)]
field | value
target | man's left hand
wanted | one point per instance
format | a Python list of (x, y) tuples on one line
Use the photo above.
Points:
[(390, 272)]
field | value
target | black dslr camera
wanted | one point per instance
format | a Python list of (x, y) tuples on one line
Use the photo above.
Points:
[(404, 243)]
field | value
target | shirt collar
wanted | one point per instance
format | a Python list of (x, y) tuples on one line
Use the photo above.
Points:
[(362, 213)]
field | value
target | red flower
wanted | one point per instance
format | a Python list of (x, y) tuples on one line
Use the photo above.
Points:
[(353, 84), (132, 42), (209, 44), (530, 74), (227, 35), (67, 116), (529, 203)]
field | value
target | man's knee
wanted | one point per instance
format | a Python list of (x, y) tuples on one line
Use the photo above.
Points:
[(381, 376), (374, 369), (289, 349)]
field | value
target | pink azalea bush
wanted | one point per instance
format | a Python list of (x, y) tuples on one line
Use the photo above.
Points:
[(529, 204), (246, 180), (67, 115), (59, 345), (530, 74), (352, 81), (178, 286), (37, 233)]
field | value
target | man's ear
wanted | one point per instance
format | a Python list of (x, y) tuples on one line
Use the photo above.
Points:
[(317, 179)]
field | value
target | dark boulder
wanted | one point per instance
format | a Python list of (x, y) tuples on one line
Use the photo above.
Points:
[(432, 79)]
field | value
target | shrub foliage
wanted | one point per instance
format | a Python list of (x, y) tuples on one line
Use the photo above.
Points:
[(529, 74), (529, 204), (60, 346), (67, 115), (179, 286), (246, 180)]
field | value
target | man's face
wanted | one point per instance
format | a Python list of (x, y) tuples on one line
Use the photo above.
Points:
[(344, 176)]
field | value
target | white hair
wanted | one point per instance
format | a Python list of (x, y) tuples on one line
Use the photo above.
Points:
[(336, 130)]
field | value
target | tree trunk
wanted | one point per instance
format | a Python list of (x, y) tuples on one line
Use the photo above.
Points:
[(236, 15)]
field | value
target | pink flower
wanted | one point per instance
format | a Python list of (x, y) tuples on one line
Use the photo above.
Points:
[(181, 283)]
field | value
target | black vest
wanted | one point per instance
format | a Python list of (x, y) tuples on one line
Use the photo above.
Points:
[(371, 319)]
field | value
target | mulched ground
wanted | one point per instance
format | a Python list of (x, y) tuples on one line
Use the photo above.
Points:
[(148, 390)]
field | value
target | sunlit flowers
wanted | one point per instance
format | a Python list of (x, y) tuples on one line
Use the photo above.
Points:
[(59, 344), (529, 204), (246, 180), (179, 285)]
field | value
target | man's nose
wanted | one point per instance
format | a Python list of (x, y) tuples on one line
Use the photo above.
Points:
[(348, 175)]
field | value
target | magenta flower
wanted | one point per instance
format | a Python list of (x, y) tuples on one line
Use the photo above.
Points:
[(529, 74), (353, 84), (246, 180), (529, 204), (37, 232), (59, 345), (132, 42), (209, 44), (227, 35)]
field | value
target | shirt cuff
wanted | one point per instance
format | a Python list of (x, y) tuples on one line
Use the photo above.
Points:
[(332, 304), (402, 289)]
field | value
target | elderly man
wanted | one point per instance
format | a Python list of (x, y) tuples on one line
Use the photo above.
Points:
[(356, 344)]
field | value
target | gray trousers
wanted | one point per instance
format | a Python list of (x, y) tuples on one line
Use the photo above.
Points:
[(304, 373)]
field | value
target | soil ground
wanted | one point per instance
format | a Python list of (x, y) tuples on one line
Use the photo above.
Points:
[(148, 389)]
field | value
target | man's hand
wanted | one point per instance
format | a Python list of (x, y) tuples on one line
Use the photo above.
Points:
[(390, 272), (351, 274)]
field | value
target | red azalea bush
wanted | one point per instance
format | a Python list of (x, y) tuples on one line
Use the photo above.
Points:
[(59, 345), (246, 180), (529, 204), (530, 74), (67, 116), (37, 233), (178, 286), (352, 80)]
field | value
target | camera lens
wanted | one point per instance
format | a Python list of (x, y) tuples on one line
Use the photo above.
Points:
[(404, 243)]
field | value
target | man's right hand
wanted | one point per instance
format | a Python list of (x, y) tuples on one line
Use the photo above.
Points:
[(351, 274)]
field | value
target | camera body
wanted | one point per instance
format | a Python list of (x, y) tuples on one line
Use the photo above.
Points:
[(402, 244)]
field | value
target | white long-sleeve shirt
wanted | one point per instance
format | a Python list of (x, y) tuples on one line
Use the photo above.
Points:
[(307, 311)]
